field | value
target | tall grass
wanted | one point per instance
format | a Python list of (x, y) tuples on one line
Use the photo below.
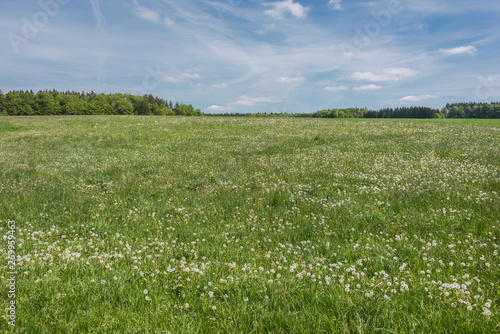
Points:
[(222, 225)]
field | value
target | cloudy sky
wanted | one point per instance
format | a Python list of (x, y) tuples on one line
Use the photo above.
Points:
[(257, 55)]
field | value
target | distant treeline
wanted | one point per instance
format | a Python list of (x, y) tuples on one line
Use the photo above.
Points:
[(26, 103), (411, 112), (473, 110), (456, 110)]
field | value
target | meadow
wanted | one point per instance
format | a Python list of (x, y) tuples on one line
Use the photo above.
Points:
[(250, 225)]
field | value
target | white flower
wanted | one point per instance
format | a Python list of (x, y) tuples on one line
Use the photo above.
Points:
[(486, 311), (145, 291), (214, 307), (469, 308), (186, 305)]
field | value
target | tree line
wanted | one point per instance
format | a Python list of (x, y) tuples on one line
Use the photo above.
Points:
[(27, 103), (473, 110), (455, 110)]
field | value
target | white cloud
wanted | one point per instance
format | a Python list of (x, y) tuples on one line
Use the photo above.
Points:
[(368, 87), (145, 13), (281, 7), (169, 22), (468, 49), (96, 10), (251, 101), (221, 85), (390, 74), (218, 108), (290, 80), (336, 4), (245, 101), (335, 89), (266, 29), (413, 98), (180, 77)]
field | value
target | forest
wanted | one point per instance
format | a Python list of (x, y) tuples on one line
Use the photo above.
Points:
[(457, 110), (27, 103)]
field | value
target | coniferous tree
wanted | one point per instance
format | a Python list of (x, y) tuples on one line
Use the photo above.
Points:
[(2, 99)]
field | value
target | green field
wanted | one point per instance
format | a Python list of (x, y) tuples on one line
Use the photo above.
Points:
[(250, 225)]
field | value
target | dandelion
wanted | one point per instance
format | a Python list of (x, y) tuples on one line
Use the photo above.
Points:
[(145, 291), (486, 312), (214, 307)]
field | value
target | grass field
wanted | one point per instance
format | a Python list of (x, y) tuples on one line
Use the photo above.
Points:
[(242, 225)]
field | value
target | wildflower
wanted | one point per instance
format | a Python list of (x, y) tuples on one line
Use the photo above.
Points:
[(486, 311), (214, 307), (145, 291)]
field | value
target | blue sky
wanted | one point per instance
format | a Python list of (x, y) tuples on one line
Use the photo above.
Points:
[(257, 55)]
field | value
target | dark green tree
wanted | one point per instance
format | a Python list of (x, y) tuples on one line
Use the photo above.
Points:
[(44, 104), (72, 105), (122, 105), (2, 100)]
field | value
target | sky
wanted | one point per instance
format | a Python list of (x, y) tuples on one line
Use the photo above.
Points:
[(295, 56)]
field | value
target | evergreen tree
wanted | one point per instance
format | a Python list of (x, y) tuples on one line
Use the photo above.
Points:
[(2, 97)]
